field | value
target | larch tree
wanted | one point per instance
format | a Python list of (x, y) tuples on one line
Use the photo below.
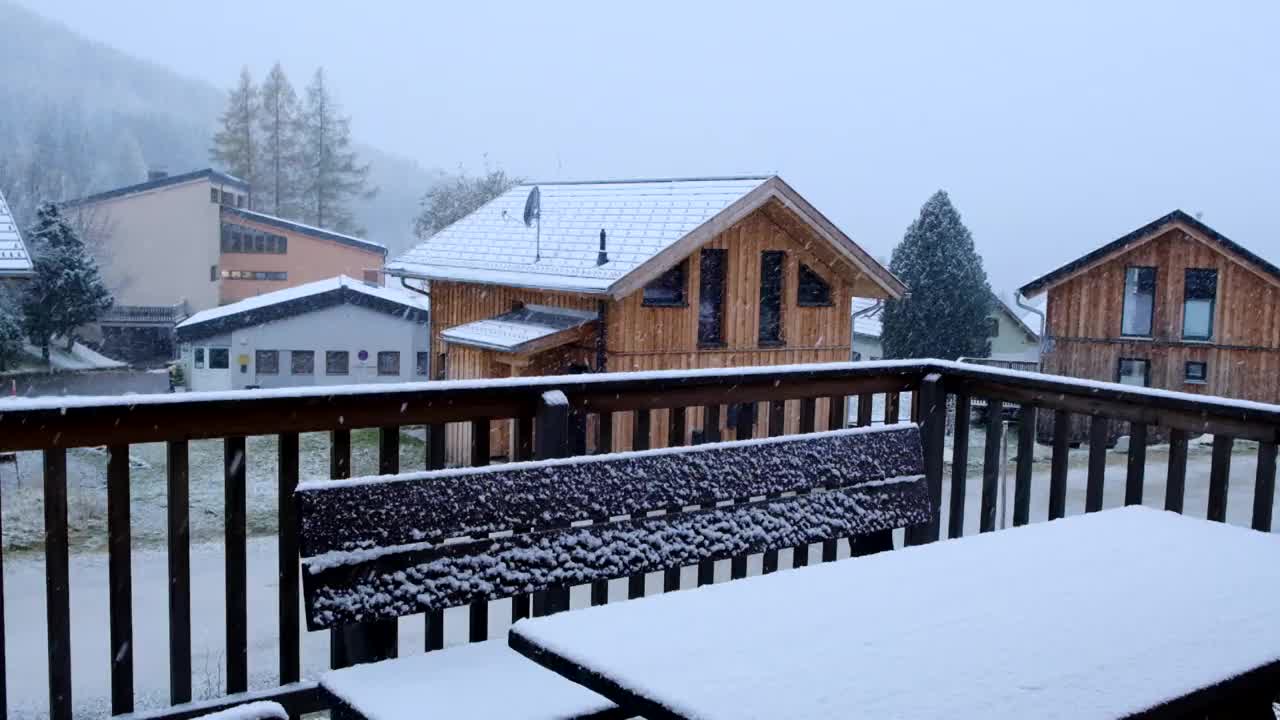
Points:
[(945, 315), (236, 146), (332, 173), (278, 130), (67, 291), (450, 201)]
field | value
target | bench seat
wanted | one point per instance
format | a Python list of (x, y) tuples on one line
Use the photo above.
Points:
[(478, 681)]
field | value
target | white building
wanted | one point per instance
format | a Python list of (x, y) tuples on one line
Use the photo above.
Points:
[(1013, 339), (337, 331)]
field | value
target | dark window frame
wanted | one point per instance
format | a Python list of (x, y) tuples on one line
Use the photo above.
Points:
[(296, 355), (422, 364), (1151, 315), (992, 326), (680, 270), (273, 365), (713, 264), (1186, 297), (1204, 372), (807, 276), (226, 354), (331, 355), (771, 332), (197, 359), (1146, 369), (392, 354)]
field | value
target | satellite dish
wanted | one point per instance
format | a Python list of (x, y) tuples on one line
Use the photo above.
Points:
[(533, 207)]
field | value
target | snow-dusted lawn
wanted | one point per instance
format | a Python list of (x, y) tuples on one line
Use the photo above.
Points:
[(24, 571)]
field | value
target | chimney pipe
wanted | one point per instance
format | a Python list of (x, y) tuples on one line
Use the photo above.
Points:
[(603, 256)]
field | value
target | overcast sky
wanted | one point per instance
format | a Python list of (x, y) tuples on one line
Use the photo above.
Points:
[(1055, 129)]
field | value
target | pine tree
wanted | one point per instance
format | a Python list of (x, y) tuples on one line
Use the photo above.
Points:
[(11, 335), (333, 174), (67, 291), (235, 144), (281, 155), (945, 316)]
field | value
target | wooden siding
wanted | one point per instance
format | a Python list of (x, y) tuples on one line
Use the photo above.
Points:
[(1084, 316)]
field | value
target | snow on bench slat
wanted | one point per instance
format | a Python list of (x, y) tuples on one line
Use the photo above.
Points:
[(478, 681), (1096, 616), (367, 586), (389, 510), (260, 710)]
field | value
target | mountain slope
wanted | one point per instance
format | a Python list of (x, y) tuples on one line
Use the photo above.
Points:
[(77, 116)]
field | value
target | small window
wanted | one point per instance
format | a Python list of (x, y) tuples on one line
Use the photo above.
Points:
[(711, 297), (337, 362), (389, 362), (442, 369), (228, 199), (282, 245), (668, 290), (1197, 373), (213, 273), (259, 243), (267, 362), (302, 362), (213, 195), (219, 358), (421, 364), (812, 290), (371, 277), (1198, 299), (1139, 301), (199, 357), (992, 327), (239, 201), (771, 266), (1134, 371)]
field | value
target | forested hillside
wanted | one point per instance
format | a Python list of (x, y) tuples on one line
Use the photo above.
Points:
[(92, 118)]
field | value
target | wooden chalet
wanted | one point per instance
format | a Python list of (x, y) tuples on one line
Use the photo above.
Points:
[(1174, 305), (640, 275)]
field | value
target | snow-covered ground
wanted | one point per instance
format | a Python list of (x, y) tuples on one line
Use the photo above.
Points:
[(24, 567)]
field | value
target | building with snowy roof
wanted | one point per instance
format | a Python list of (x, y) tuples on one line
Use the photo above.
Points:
[(629, 275), (178, 244), (1014, 342), (337, 331), (15, 260)]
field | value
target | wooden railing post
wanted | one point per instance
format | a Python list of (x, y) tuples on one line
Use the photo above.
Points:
[(554, 440), (932, 398)]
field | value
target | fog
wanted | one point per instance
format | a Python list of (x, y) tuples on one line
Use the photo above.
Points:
[(1055, 128)]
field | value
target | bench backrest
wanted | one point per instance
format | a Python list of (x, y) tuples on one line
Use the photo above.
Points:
[(383, 547)]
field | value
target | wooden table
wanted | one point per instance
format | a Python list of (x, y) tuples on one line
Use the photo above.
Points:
[(1124, 613)]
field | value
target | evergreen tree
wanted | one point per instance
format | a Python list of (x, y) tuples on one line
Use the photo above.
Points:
[(67, 291), (281, 147), (332, 172), (235, 144), (945, 316), (11, 335)]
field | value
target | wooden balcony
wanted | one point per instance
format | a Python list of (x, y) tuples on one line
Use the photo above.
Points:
[(823, 396)]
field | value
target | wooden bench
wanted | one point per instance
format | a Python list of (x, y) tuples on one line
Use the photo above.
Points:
[(380, 548)]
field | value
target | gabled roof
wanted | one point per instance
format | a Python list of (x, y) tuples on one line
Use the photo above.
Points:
[(650, 225), (1017, 317), (524, 329), (298, 227), (299, 300), (1139, 236), (15, 261), (205, 174)]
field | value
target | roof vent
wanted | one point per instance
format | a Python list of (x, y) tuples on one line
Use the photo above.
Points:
[(156, 174), (602, 257)]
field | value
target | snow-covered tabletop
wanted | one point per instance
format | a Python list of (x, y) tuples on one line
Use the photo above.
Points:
[(1097, 616)]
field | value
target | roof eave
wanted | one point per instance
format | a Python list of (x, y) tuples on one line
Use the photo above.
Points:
[(406, 273)]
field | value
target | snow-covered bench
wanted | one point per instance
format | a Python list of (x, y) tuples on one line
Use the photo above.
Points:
[(379, 548)]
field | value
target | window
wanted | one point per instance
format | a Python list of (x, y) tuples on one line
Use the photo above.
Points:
[(668, 289), (1139, 301), (199, 361), (371, 277), (421, 363), (1197, 373), (1133, 371), (274, 275), (302, 362), (213, 195), (442, 370), (771, 264), (711, 297), (213, 273), (812, 290), (1199, 296), (219, 358), (388, 362), (239, 201), (267, 362), (241, 239), (337, 362), (992, 327)]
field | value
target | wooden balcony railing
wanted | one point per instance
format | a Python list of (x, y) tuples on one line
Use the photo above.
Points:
[(820, 396)]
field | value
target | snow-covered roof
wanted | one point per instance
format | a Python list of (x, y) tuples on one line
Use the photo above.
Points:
[(642, 219), (304, 229), (519, 329), (1022, 318), (867, 324), (302, 299), (15, 261), (214, 176)]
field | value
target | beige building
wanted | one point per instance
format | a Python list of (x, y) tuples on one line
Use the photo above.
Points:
[(176, 245)]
